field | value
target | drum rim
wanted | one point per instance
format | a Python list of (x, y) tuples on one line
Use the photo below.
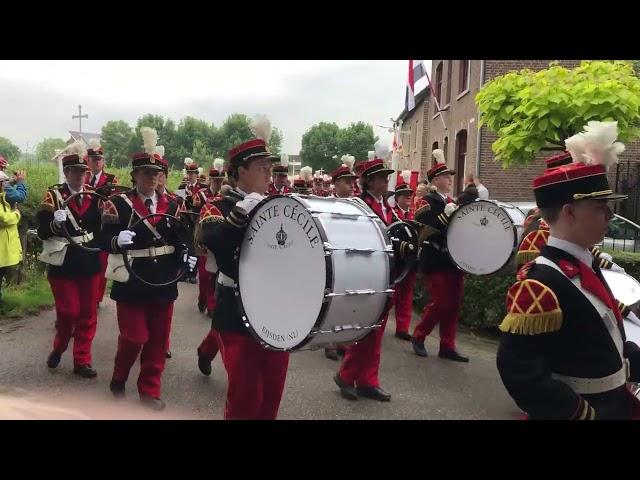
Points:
[(606, 272), (514, 230), (329, 281)]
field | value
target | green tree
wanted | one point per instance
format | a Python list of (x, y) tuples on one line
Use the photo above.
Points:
[(233, 131), (275, 144), (117, 138), (320, 146), (201, 154), (46, 149), (8, 150), (535, 111), (188, 131), (357, 139)]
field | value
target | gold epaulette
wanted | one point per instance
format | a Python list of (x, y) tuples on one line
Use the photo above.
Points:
[(532, 309)]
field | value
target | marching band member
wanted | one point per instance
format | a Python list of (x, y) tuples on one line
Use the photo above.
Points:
[(358, 374), (256, 376), (73, 273), (280, 176), (563, 352), (102, 182), (403, 295), (144, 312), (442, 279)]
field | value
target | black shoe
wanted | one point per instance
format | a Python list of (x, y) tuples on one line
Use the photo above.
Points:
[(117, 388), (202, 307), (86, 371), (204, 364), (347, 391), (331, 354), (54, 359), (453, 355), (404, 336), (153, 403), (375, 393), (168, 354), (418, 348)]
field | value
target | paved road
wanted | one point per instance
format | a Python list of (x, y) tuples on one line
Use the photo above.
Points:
[(421, 388)]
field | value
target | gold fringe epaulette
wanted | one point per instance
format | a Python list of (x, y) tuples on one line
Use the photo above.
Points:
[(532, 309)]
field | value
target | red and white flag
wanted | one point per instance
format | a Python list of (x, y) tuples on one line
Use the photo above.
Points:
[(415, 73)]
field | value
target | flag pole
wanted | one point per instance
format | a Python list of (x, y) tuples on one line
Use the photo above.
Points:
[(435, 98)]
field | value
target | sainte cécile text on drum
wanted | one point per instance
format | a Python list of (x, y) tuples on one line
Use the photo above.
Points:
[(495, 211), (290, 212)]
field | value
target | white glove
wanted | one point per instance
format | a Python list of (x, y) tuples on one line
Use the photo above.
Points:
[(125, 237), (192, 262), (60, 216), (617, 268), (632, 317), (250, 201), (449, 208), (606, 256)]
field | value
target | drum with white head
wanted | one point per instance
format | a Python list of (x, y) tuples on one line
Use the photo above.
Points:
[(482, 236), (625, 289), (313, 272)]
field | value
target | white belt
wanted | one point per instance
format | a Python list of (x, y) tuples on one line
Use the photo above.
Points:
[(596, 385), (226, 281), (151, 251)]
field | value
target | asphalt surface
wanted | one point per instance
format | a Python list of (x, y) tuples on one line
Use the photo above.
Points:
[(421, 388)]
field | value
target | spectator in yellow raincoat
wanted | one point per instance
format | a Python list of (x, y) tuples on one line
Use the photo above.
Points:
[(10, 246)]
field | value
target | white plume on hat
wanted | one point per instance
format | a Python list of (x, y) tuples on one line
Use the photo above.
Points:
[(438, 155), (94, 143), (406, 176), (596, 145), (218, 163), (284, 160), (381, 149), (76, 148), (188, 161), (306, 173), (149, 139), (348, 161), (200, 170), (261, 127), (159, 150), (371, 154)]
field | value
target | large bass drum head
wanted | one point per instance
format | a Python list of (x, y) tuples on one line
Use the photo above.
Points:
[(282, 273), (481, 237)]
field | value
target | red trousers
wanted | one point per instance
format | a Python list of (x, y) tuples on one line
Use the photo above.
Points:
[(206, 285), (445, 293), (361, 361), (209, 346), (146, 327), (104, 257), (76, 315), (256, 377), (403, 301)]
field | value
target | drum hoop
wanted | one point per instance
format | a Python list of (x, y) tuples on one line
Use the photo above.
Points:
[(514, 231), (328, 283)]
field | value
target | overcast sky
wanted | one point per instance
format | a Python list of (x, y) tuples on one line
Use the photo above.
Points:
[(38, 98)]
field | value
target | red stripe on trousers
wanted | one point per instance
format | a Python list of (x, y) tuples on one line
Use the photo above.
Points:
[(102, 286), (445, 294), (256, 377), (206, 289), (144, 329), (361, 361), (209, 346), (76, 315), (403, 301)]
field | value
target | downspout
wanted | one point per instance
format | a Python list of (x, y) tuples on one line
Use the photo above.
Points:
[(482, 67)]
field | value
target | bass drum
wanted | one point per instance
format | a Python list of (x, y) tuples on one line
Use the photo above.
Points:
[(483, 236), (313, 272), (625, 289)]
